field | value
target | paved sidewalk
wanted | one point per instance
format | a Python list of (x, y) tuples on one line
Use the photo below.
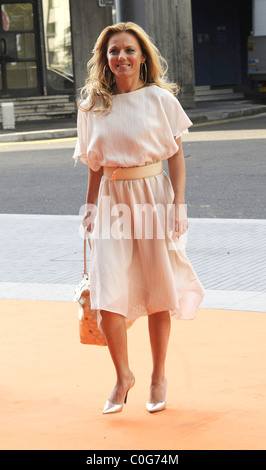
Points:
[(42, 259), (66, 128), (55, 388)]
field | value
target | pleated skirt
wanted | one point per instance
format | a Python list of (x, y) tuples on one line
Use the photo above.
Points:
[(136, 268)]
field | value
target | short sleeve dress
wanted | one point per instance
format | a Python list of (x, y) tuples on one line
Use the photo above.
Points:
[(136, 268)]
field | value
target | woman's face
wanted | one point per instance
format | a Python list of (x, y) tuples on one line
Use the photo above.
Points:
[(124, 55)]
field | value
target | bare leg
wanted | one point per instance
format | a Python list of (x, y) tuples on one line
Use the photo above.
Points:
[(159, 330), (114, 329)]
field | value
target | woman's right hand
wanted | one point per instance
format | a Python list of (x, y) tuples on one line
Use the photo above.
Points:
[(89, 217)]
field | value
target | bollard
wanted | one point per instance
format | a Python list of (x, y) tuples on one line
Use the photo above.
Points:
[(8, 115)]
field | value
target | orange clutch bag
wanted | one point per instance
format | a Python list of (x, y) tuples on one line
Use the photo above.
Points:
[(88, 328)]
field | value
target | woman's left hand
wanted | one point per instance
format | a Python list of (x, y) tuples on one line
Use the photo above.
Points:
[(179, 221)]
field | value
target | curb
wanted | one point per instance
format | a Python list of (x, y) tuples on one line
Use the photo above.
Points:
[(223, 115), (38, 135), (196, 117)]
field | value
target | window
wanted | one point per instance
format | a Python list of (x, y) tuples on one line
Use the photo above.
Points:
[(16, 16)]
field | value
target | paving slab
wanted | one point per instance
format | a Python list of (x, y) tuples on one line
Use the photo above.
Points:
[(42, 259)]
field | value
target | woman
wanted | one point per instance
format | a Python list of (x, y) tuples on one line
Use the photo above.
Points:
[(129, 121)]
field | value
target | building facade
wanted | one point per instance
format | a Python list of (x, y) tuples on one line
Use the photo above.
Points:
[(45, 44)]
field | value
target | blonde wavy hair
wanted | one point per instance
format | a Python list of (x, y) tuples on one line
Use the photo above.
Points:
[(100, 81)]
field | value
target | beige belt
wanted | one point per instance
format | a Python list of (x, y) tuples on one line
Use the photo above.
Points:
[(133, 173)]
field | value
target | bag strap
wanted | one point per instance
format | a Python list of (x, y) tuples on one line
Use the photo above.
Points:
[(86, 237)]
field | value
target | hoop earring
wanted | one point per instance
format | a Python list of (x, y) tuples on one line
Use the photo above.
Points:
[(106, 68), (144, 72)]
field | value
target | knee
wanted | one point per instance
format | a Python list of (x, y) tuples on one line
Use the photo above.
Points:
[(164, 314), (111, 317)]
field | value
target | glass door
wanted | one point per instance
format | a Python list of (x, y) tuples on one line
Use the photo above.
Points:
[(58, 77), (19, 65)]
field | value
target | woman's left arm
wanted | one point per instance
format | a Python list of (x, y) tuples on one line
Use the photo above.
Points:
[(177, 172)]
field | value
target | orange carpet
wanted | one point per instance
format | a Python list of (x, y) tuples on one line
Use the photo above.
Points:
[(53, 388)]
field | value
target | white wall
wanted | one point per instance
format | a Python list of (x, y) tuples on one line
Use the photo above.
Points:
[(259, 17)]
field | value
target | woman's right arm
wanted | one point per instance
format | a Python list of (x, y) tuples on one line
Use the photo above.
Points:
[(94, 180)]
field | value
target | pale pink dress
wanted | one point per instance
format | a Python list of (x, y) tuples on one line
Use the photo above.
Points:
[(137, 274)]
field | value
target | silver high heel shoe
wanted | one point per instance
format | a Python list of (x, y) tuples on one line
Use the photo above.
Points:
[(153, 407), (110, 407), (156, 406)]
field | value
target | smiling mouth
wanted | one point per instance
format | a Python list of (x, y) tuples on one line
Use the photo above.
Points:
[(123, 65)]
